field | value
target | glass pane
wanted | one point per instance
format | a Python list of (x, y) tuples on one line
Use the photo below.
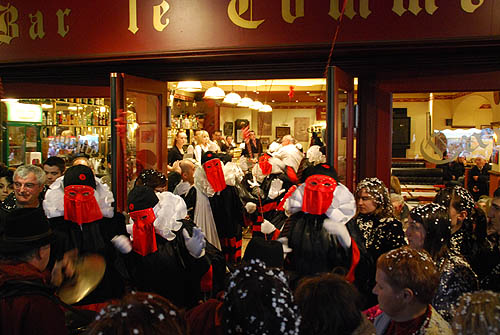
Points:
[(342, 134), (142, 133), (16, 145), (31, 138)]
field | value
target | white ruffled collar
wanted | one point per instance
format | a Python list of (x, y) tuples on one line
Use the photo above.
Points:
[(53, 204), (342, 208), (232, 175), (168, 211)]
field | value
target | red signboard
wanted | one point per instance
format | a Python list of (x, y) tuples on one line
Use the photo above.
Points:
[(73, 29)]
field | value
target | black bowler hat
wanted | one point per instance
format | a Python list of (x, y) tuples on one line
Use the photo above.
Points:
[(141, 197), (79, 175), (25, 229), (323, 169), (268, 251), (208, 155)]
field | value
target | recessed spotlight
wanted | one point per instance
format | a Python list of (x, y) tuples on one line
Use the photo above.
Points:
[(257, 92), (308, 92), (296, 100), (273, 100)]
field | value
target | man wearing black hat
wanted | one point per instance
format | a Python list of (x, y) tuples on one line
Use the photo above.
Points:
[(79, 209), (27, 302), (226, 205), (166, 258)]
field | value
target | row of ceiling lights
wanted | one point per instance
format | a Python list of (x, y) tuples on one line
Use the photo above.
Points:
[(217, 93)]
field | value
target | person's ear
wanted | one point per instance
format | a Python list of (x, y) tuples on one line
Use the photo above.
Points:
[(462, 215), (407, 295)]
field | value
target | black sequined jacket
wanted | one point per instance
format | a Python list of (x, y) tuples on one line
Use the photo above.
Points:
[(457, 278)]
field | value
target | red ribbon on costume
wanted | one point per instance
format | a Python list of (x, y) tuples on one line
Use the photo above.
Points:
[(354, 262), (144, 242), (287, 195)]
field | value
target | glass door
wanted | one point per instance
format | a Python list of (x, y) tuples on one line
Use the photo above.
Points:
[(138, 137), (341, 124)]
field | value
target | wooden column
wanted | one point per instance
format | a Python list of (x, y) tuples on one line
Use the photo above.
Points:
[(375, 132)]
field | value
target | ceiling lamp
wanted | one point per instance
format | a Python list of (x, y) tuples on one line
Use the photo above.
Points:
[(256, 105), (215, 92), (189, 86), (232, 98), (266, 108), (245, 102)]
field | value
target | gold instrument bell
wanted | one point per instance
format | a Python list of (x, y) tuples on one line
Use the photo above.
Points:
[(89, 270)]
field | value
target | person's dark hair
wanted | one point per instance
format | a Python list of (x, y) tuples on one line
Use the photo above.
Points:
[(151, 178), (328, 305), (140, 313), (461, 200), (56, 161), (8, 174), (257, 301), (436, 222), (176, 135)]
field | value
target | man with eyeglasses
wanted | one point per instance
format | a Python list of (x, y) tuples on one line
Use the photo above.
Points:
[(29, 181)]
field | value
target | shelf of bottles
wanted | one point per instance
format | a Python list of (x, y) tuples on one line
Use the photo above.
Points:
[(187, 123), (75, 112)]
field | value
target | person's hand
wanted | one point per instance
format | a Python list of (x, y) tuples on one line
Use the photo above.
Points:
[(267, 227), (338, 230), (122, 244), (475, 178), (253, 183), (65, 268), (195, 244), (275, 190), (250, 207)]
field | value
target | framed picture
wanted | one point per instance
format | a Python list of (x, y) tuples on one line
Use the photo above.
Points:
[(282, 131), (300, 129), (264, 124), (265, 142), (228, 129), (147, 136)]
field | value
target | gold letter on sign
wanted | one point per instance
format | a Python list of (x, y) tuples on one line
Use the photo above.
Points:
[(414, 7), (62, 29), (158, 12), (469, 7), (36, 29), (235, 15), (8, 26), (335, 9), (286, 12), (132, 16)]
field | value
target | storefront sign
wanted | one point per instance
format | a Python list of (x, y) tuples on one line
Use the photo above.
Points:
[(18, 112), (71, 29)]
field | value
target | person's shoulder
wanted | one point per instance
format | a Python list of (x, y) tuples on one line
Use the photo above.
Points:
[(437, 325)]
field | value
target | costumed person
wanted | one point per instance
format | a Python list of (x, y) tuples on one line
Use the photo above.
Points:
[(269, 186), (289, 154), (406, 282), (316, 231), (376, 228), (168, 252), (217, 182), (429, 229), (79, 209), (197, 203)]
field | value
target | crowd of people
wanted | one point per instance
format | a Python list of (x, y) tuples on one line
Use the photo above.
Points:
[(321, 260)]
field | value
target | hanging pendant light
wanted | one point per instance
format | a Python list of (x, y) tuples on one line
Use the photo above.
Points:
[(189, 86), (245, 102), (256, 105), (232, 98), (215, 93), (266, 108)]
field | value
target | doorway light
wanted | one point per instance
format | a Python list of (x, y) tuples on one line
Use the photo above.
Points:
[(189, 86)]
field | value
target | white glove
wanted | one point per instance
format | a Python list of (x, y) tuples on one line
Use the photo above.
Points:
[(195, 244), (122, 244), (338, 230), (253, 183), (267, 227), (250, 207), (275, 190), (284, 243)]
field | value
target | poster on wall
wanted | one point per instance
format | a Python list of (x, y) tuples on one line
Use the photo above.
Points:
[(300, 129), (264, 124)]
